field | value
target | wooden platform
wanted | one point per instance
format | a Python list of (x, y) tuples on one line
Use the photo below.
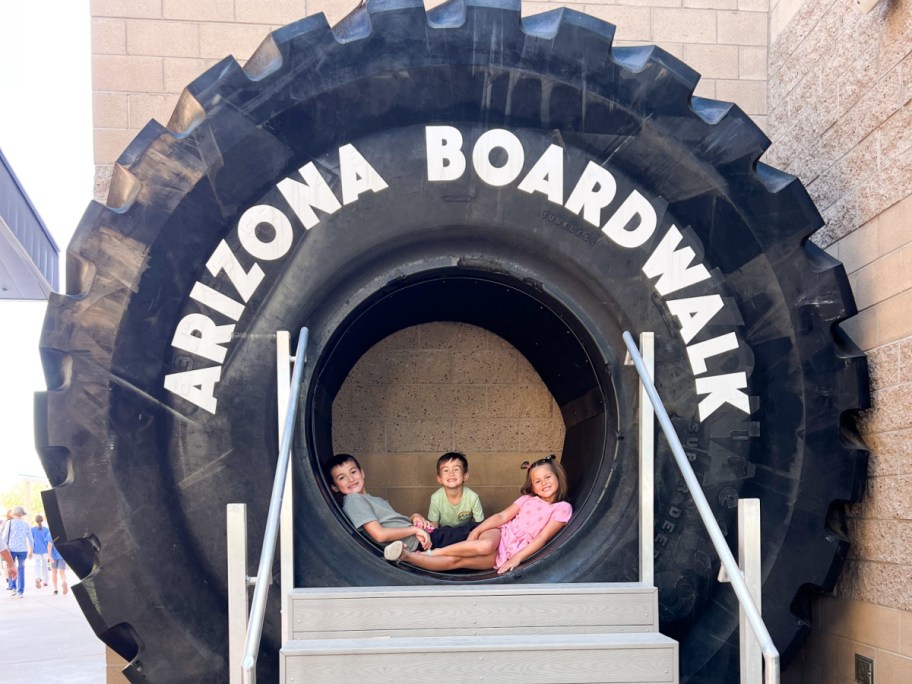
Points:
[(538, 633)]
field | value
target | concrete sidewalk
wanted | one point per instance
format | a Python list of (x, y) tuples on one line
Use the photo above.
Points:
[(46, 638)]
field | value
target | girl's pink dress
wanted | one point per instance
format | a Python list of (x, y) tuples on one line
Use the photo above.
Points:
[(534, 514)]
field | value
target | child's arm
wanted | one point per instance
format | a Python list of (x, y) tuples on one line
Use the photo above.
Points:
[(477, 512), (385, 535), (549, 531), (419, 520), (496, 520)]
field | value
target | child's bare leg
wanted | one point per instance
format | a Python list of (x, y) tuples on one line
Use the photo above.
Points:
[(440, 563), (485, 545)]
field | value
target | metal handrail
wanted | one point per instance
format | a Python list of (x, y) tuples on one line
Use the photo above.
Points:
[(261, 586), (770, 653)]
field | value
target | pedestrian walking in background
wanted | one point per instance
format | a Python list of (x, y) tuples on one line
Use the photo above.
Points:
[(41, 539), (18, 537)]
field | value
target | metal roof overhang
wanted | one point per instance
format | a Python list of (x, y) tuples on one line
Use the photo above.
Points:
[(28, 253)]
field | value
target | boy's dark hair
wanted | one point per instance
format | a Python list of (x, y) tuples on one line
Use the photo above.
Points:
[(556, 468), (453, 456), (337, 460)]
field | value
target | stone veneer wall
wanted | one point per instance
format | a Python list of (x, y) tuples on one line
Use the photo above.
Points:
[(443, 387), (144, 52), (840, 95)]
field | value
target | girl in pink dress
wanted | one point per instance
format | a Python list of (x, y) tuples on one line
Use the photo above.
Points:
[(506, 539)]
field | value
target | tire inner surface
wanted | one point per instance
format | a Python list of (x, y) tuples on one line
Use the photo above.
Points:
[(537, 325)]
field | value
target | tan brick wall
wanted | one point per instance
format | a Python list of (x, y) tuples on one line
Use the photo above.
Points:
[(443, 387), (145, 52), (840, 115)]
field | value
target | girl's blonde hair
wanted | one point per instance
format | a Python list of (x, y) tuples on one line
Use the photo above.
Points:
[(556, 468)]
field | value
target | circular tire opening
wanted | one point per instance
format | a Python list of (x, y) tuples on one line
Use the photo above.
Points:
[(514, 314)]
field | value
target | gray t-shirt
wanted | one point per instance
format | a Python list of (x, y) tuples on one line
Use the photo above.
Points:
[(363, 508)]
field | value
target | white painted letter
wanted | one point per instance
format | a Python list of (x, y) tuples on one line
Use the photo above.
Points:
[(722, 389), (198, 335), (196, 386), (594, 191), (635, 206), (444, 164), (216, 300), (498, 176), (673, 266), (247, 232), (698, 353), (223, 259), (313, 192), (547, 176), (694, 313), (357, 175)]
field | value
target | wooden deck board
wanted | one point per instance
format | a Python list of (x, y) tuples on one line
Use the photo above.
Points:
[(533, 659), (403, 611)]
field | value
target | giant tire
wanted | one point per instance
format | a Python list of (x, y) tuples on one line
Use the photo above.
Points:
[(141, 477)]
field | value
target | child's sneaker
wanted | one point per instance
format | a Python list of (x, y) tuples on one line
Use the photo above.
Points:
[(394, 552)]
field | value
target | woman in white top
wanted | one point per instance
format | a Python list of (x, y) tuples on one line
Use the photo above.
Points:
[(18, 536)]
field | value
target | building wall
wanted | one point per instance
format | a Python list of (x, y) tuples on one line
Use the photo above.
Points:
[(840, 95), (144, 52)]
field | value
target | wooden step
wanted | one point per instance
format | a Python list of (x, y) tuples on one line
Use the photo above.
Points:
[(465, 610), (618, 658)]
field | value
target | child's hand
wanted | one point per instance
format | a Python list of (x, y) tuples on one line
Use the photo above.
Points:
[(419, 520), (424, 538), (511, 564)]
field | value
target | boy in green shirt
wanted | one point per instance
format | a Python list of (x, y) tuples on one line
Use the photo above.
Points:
[(454, 504)]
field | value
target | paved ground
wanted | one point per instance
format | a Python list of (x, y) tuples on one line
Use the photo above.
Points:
[(45, 638)]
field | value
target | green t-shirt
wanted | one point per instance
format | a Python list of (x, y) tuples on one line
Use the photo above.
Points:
[(442, 512)]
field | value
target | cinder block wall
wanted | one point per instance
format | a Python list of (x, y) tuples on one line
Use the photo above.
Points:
[(441, 387), (840, 96), (144, 52)]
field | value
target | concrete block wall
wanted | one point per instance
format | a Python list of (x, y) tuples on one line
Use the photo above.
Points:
[(144, 52), (840, 94), (444, 387)]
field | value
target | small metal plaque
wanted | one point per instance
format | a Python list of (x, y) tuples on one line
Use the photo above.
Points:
[(864, 670)]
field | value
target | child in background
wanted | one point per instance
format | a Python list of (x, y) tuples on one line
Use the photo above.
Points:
[(58, 567), (506, 539), (454, 504), (41, 537), (375, 515)]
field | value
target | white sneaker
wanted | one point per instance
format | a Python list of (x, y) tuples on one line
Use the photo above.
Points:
[(394, 552)]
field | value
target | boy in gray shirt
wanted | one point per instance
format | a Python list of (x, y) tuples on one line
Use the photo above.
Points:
[(375, 515)]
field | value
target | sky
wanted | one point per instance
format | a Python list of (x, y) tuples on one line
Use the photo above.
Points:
[(46, 136)]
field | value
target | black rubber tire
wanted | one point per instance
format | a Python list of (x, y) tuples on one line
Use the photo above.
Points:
[(141, 477)]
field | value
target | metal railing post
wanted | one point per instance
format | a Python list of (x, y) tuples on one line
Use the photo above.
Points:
[(284, 360), (751, 612), (270, 535), (236, 515), (647, 467), (749, 560)]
